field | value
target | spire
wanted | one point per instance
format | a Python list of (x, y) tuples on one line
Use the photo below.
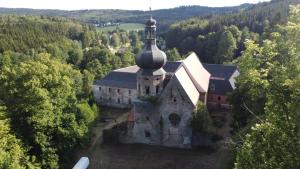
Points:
[(151, 57)]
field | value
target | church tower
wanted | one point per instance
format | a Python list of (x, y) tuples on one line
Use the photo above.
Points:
[(151, 75)]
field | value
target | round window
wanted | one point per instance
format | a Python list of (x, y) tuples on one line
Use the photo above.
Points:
[(174, 119)]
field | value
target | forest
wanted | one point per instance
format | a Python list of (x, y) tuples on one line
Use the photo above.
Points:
[(48, 65)]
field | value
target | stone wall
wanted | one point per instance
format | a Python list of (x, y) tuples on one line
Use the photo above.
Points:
[(177, 111), (114, 97)]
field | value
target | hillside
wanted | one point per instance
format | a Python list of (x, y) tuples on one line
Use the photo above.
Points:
[(101, 16), (224, 35)]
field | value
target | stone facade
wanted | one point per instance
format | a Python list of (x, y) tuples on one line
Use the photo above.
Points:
[(114, 97)]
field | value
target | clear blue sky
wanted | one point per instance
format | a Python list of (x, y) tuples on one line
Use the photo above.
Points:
[(117, 4)]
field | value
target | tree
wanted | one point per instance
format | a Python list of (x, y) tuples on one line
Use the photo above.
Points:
[(173, 55), (13, 155), (40, 96), (115, 40), (226, 48), (201, 121), (127, 58), (273, 142)]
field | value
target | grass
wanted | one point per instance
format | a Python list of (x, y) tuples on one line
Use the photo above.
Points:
[(125, 26)]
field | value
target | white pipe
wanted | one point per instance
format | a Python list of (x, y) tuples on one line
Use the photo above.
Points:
[(83, 163)]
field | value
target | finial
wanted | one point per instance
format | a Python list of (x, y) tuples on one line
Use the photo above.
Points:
[(150, 8)]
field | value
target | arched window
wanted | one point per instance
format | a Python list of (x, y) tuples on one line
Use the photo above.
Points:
[(174, 119), (147, 133), (147, 90)]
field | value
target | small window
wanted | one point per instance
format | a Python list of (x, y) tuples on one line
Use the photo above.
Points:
[(147, 90), (109, 89), (147, 118), (129, 91), (146, 78), (219, 98), (119, 100), (157, 89), (118, 90), (174, 100), (139, 88), (99, 88), (212, 87), (158, 78), (147, 133)]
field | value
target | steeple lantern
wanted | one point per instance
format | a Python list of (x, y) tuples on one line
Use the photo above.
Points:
[(151, 75)]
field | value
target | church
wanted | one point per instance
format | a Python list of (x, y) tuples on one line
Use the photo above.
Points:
[(163, 95)]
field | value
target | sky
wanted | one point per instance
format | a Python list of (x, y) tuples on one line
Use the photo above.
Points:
[(117, 4)]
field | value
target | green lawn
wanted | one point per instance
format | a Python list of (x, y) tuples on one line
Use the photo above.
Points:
[(125, 26)]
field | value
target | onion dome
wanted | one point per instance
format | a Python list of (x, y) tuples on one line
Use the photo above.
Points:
[(151, 56)]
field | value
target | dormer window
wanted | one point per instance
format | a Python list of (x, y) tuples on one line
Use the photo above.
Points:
[(212, 87)]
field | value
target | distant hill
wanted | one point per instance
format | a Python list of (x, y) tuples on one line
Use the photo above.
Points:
[(101, 16)]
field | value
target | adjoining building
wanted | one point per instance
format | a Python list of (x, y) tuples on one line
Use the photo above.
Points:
[(163, 95), (221, 84), (119, 87)]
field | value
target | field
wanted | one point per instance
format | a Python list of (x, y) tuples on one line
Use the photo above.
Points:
[(125, 26)]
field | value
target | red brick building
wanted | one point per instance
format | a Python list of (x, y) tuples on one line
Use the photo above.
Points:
[(221, 84)]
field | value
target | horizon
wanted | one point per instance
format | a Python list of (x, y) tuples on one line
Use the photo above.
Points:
[(142, 5)]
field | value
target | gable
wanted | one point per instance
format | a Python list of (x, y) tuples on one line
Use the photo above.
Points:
[(183, 79), (198, 74)]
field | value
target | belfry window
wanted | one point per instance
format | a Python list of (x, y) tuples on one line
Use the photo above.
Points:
[(139, 88), (147, 90)]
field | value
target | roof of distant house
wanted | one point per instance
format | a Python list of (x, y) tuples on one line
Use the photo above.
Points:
[(220, 72)]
